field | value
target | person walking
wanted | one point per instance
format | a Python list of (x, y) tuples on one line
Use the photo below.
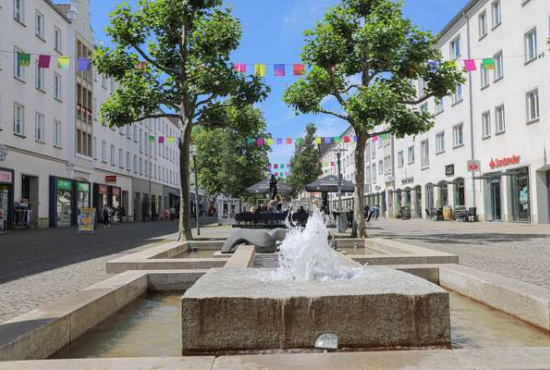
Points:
[(106, 215)]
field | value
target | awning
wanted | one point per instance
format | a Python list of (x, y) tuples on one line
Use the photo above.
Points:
[(329, 184), (262, 187)]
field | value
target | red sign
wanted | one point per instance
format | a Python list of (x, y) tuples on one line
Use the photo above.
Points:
[(503, 162), (110, 178), (474, 166), (6, 177), (102, 189)]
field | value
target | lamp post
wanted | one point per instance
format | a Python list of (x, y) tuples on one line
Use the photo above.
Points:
[(342, 219), (195, 165)]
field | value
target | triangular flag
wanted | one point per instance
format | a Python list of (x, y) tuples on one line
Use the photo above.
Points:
[(279, 70), (269, 142), (240, 68), (83, 64), (63, 62), (259, 70), (470, 65), (44, 61), (489, 63), (23, 59), (289, 140), (299, 70)]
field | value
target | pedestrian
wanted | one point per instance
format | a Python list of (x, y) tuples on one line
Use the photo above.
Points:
[(106, 215), (172, 213)]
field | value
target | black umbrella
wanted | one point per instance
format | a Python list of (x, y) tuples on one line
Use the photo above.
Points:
[(329, 184), (263, 187)]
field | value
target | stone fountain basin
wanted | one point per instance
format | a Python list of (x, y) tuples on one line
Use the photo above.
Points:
[(245, 310)]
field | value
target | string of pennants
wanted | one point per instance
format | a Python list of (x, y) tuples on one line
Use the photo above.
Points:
[(162, 139), (318, 140)]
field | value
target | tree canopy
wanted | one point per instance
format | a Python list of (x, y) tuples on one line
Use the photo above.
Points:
[(366, 55), (170, 58), (228, 163), (305, 162)]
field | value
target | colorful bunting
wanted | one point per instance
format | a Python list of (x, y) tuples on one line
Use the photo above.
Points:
[(250, 141), (269, 142), (63, 62), (282, 166), (336, 139), (276, 166), (161, 139), (289, 140), (260, 141), (318, 140), (171, 139), (470, 65), (83, 64), (23, 59), (240, 68), (452, 63), (346, 139), (489, 63), (44, 61), (259, 70), (279, 141), (327, 140), (299, 70), (279, 70), (151, 139)]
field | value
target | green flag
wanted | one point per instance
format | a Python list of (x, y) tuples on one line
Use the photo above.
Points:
[(489, 63), (23, 59), (151, 139)]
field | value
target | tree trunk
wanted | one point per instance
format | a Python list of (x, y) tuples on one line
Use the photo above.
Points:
[(358, 230), (184, 232)]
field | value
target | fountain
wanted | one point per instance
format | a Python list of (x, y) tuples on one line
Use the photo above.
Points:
[(315, 291)]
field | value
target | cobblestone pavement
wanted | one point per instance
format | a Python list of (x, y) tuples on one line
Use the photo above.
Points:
[(518, 251), (39, 267)]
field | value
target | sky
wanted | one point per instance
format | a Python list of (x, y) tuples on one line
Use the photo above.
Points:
[(273, 33)]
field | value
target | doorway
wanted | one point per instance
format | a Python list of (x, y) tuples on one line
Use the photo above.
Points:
[(496, 204)]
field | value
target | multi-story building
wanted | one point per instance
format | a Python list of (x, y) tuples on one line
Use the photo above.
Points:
[(60, 158), (496, 119)]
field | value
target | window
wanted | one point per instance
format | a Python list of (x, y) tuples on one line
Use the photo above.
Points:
[(39, 77), (533, 111), (486, 124), (458, 135), (57, 40), (482, 20), (140, 140), (146, 167), (387, 165), (18, 70), (373, 151), (141, 166), (457, 96), (380, 167), (121, 158), (18, 10), (531, 45), (95, 148), (495, 12), (455, 48), (18, 119), (57, 133), (440, 142), (57, 86), (104, 151), (135, 134), (400, 159), (104, 81), (380, 142), (39, 127), (499, 66), (425, 154), (438, 105), (135, 164), (500, 120), (424, 108), (411, 155), (112, 155), (128, 162), (39, 25), (484, 73)]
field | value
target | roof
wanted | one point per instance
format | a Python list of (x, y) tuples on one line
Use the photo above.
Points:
[(458, 16), (61, 9)]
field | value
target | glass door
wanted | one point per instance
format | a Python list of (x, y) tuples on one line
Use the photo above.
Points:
[(521, 197), (496, 208)]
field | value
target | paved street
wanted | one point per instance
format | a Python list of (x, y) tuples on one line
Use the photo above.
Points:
[(519, 251), (38, 267)]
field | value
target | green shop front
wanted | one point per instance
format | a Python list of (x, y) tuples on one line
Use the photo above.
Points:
[(67, 198)]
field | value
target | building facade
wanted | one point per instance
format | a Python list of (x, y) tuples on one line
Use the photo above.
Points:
[(487, 149), (59, 156)]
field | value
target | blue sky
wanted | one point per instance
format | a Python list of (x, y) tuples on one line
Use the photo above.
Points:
[(273, 33)]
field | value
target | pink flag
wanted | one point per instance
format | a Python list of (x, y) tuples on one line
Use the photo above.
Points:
[(259, 141), (161, 139), (286, 173), (44, 61), (470, 65), (240, 67), (289, 140)]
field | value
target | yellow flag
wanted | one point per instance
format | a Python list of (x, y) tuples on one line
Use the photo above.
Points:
[(259, 70), (317, 140), (269, 142), (63, 62)]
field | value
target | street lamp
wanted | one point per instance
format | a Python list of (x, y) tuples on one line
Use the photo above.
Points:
[(342, 219), (196, 167)]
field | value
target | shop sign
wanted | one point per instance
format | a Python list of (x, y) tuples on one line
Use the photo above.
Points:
[(6, 177), (408, 180), (116, 191), (474, 166), (110, 178), (86, 220), (64, 184), (83, 187), (450, 170), (503, 162), (102, 189)]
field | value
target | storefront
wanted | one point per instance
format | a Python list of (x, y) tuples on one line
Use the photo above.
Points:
[(61, 202), (459, 193), (107, 196), (521, 194), (6, 198), (83, 197)]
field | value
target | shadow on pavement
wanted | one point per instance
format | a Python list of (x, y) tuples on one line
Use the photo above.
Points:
[(469, 238)]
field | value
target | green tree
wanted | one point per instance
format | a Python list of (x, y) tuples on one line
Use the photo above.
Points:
[(306, 165), (370, 41), (185, 45), (228, 163)]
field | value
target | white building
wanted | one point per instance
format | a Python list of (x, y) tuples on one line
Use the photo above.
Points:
[(497, 117), (59, 156)]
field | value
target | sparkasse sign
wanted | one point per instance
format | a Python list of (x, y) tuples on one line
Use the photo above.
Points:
[(503, 162)]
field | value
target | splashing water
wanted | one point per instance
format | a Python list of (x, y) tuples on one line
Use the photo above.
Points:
[(306, 255)]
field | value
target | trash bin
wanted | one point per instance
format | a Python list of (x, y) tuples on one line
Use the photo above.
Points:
[(405, 213), (447, 213), (472, 214)]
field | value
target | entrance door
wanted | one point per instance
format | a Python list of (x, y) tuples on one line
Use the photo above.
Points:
[(496, 208), (521, 197)]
